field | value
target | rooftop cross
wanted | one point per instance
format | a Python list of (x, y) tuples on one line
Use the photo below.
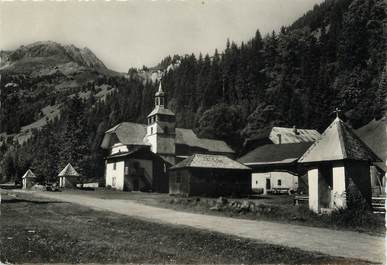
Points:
[(337, 112)]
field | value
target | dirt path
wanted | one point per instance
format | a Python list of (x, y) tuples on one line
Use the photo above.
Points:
[(331, 242)]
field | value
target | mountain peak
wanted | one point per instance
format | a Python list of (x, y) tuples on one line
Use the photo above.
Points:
[(41, 54)]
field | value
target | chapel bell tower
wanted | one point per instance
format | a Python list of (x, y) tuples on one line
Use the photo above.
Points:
[(161, 129)]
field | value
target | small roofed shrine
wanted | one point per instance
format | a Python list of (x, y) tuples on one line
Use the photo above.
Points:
[(68, 177), (338, 167), (28, 179)]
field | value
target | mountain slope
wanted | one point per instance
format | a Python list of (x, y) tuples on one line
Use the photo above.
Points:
[(43, 75), (45, 57)]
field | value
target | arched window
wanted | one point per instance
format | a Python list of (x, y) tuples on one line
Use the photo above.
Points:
[(166, 130)]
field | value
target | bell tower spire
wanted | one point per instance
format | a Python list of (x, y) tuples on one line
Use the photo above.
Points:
[(161, 129), (160, 96)]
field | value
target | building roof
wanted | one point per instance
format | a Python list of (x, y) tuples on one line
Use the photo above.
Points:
[(374, 134), (129, 133), (210, 161), (159, 109), (275, 154), (293, 135), (288, 135), (28, 174), (68, 171), (338, 142), (188, 137)]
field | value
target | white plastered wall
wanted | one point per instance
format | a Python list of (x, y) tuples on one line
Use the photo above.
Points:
[(258, 181), (289, 181), (115, 177), (313, 189), (338, 189), (118, 147), (152, 139)]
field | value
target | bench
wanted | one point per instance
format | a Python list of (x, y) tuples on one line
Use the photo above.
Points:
[(279, 190), (300, 199)]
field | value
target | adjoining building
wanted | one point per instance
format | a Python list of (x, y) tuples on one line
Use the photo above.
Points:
[(209, 175), (374, 134), (281, 135), (338, 168), (162, 138), (275, 168), (28, 179), (137, 170), (68, 177)]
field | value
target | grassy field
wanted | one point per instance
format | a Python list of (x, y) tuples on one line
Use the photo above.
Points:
[(37, 230), (278, 208)]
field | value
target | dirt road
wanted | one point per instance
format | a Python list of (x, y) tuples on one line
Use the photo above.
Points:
[(335, 243)]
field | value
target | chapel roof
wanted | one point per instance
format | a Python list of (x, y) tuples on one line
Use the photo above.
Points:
[(68, 171), (29, 174), (338, 142)]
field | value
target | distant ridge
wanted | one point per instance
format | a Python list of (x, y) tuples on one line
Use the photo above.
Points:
[(43, 55)]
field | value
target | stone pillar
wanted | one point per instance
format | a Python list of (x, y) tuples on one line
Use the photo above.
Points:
[(338, 198), (313, 190)]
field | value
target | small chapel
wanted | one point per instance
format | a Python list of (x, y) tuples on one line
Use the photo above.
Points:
[(338, 167), (140, 154)]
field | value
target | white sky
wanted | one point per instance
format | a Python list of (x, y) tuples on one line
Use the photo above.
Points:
[(142, 32)]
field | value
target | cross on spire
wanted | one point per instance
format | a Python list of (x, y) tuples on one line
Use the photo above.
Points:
[(337, 112)]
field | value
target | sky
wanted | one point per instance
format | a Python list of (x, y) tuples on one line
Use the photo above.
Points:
[(143, 32)]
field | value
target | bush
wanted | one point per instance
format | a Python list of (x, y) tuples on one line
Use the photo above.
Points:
[(357, 214)]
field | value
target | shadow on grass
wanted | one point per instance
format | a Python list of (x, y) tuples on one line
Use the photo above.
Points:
[(29, 201)]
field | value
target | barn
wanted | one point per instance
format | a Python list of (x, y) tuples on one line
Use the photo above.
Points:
[(338, 168), (209, 175), (275, 168)]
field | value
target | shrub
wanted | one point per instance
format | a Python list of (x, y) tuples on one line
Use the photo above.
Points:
[(357, 214)]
